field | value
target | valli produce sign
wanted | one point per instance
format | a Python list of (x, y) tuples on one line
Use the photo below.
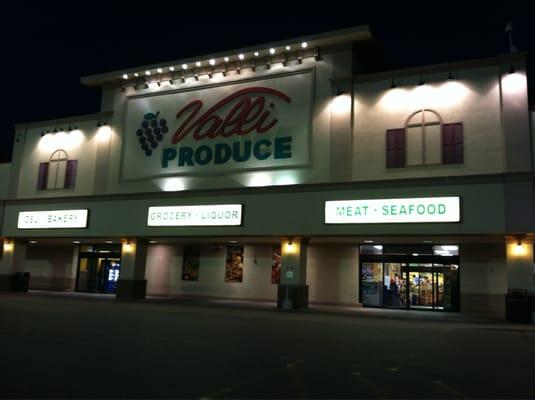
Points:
[(254, 125)]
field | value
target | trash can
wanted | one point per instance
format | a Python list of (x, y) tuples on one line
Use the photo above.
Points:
[(517, 306), (21, 281)]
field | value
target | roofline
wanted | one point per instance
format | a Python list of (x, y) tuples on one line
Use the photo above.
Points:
[(519, 57), (317, 40), (62, 121)]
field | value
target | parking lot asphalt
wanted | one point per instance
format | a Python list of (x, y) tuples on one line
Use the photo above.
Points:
[(75, 346)]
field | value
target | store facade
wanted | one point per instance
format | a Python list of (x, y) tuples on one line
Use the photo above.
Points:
[(283, 176)]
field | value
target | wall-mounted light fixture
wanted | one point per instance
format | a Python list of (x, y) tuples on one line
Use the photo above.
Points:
[(512, 69), (421, 81), (393, 85), (450, 77)]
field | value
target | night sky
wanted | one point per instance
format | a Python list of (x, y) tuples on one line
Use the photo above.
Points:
[(47, 48)]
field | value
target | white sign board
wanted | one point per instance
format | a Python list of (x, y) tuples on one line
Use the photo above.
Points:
[(52, 219), (408, 210), (257, 124), (205, 215)]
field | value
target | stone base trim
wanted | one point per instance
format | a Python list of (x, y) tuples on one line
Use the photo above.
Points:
[(130, 289), (292, 296)]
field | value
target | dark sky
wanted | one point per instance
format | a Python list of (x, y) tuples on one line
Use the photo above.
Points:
[(47, 46)]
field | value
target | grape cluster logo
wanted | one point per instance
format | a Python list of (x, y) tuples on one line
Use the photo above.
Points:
[(151, 132)]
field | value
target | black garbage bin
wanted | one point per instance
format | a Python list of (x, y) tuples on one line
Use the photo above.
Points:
[(517, 306), (21, 281)]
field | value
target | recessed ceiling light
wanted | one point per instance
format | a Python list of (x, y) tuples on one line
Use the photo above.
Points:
[(368, 241), (152, 241), (32, 242), (76, 241), (109, 241)]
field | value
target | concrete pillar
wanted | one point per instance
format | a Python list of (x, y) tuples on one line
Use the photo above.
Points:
[(12, 265), (519, 254), (293, 290), (132, 283)]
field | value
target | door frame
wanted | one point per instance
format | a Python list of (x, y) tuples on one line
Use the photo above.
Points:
[(410, 259)]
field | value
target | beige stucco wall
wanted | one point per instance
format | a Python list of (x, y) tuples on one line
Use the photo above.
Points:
[(51, 267), (79, 145), (473, 99), (5, 170), (164, 269), (483, 278), (333, 273)]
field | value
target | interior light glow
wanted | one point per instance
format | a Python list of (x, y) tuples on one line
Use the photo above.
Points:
[(514, 83), (103, 134), (172, 184), (286, 179), (290, 247), (450, 93), (378, 247), (519, 249), (450, 247), (260, 179), (8, 246), (341, 104)]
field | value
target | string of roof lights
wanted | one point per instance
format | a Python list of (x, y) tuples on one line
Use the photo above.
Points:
[(180, 73)]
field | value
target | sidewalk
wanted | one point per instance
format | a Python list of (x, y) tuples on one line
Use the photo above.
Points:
[(359, 312)]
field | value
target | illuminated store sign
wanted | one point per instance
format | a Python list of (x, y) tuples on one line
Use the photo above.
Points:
[(52, 219), (257, 124), (206, 215), (408, 210)]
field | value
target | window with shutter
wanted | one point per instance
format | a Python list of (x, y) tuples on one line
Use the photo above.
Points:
[(42, 176), (70, 174), (452, 143), (395, 148)]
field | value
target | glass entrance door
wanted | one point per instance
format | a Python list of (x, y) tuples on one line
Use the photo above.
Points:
[(98, 269), (427, 286)]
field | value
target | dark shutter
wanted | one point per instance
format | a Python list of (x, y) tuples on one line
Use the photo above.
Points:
[(42, 176), (395, 148), (70, 174), (452, 143)]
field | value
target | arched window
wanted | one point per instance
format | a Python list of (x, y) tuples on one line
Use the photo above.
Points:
[(424, 130), (58, 173), (424, 140)]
